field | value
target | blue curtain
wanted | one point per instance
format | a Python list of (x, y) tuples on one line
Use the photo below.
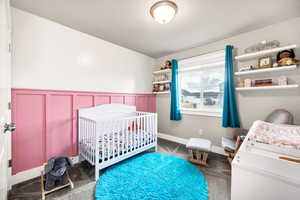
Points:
[(175, 93), (230, 114)]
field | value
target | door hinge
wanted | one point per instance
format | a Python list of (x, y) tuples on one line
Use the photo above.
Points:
[(10, 163), (9, 105)]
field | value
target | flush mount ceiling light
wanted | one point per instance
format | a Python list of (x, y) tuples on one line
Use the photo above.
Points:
[(163, 11)]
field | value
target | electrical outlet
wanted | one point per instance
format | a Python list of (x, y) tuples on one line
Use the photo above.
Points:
[(200, 132)]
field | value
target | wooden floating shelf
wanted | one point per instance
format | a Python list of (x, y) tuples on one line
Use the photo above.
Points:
[(162, 71), (273, 87), (165, 92), (274, 69), (161, 82), (264, 52)]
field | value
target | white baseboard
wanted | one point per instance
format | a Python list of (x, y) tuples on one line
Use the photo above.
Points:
[(30, 174), (215, 149)]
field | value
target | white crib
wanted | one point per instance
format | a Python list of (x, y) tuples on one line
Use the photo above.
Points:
[(111, 133)]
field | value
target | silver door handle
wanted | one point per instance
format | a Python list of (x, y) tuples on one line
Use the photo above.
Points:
[(9, 127)]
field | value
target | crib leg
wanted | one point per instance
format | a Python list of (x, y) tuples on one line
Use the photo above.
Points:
[(96, 173)]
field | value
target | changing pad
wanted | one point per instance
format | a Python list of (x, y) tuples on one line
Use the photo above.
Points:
[(283, 136)]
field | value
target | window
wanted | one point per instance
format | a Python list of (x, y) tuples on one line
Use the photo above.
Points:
[(202, 82)]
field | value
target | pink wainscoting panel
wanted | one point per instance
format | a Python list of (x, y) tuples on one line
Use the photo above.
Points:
[(151, 104), (142, 103), (84, 101), (117, 99), (59, 125), (99, 100), (47, 121), (130, 100), (28, 149)]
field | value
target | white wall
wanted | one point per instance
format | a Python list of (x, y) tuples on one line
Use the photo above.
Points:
[(48, 55), (252, 105)]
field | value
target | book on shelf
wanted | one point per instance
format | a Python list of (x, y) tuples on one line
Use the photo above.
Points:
[(263, 82)]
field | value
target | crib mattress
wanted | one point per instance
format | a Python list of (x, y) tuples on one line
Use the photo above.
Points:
[(135, 139)]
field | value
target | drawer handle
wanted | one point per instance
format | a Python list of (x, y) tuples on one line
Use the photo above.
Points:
[(289, 159)]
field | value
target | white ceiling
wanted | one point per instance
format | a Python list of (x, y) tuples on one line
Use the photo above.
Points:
[(129, 24)]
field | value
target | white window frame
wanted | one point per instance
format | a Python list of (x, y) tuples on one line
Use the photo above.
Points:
[(214, 59)]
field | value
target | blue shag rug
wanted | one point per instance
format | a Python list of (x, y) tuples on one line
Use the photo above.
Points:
[(152, 176)]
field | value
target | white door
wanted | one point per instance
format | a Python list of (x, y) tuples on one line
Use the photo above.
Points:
[(5, 80)]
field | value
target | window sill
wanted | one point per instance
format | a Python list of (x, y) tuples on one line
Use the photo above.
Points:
[(201, 113)]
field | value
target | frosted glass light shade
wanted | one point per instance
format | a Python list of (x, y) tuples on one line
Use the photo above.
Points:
[(163, 11)]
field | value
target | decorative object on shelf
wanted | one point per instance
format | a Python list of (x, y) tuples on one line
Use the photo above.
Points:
[(155, 88), (265, 62), (288, 61), (286, 58), (263, 45), (161, 77), (275, 64), (247, 82), (263, 82), (282, 80), (168, 65), (240, 83), (245, 68), (162, 87), (167, 86)]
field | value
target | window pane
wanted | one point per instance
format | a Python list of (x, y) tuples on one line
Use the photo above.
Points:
[(191, 89), (202, 89), (213, 86)]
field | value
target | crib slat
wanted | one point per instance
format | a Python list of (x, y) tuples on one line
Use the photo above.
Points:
[(150, 131), (85, 140), (102, 141), (147, 128), (138, 132), (143, 129), (112, 142), (127, 135), (136, 138), (141, 132), (152, 135), (131, 136), (118, 141), (124, 137), (146, 134), (90, 133), (95, 142), (107, 142), (153, 124)]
